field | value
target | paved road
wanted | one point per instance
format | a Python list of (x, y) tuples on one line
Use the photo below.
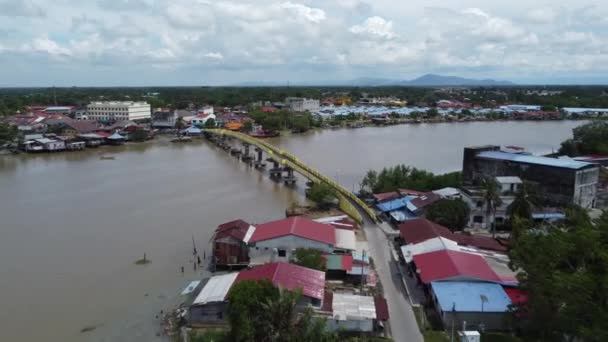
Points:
[(402, 321)]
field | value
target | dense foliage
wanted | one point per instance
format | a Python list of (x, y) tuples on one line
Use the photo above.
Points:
[(260, 312), (7, 133), (565, 279), (282, 119), (401, 176), (322, 194), (591, 138), (309, 257), (451, 213)]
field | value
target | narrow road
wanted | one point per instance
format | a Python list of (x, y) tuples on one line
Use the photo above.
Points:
[(402, 321)]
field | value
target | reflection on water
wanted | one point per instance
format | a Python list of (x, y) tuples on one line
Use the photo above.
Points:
[(72, 224)]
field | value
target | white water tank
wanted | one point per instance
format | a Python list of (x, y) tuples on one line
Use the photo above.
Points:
[(469, 336)]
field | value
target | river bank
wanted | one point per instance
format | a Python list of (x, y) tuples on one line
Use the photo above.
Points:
[(73, 224)]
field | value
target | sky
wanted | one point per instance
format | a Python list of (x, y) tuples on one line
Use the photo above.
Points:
[(226, 42)]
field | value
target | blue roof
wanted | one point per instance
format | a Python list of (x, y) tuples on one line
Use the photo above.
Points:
[(548, 216), (525, 158), (467, 296), (394, 204)]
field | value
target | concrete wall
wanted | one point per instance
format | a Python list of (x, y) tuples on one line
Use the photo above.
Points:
[(366, 325), (585, 187), (210, 313), (490, 320), (288, 243)]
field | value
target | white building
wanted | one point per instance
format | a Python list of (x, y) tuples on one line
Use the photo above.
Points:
[(299, 104), (117, 111)]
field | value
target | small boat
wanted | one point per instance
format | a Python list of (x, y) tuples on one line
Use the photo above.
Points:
[(107, 158)]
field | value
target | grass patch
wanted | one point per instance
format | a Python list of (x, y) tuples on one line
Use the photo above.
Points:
[(435, 336)]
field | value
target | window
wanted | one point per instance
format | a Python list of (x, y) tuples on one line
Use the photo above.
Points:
[(282, 253), (478, 219), (479, 204)]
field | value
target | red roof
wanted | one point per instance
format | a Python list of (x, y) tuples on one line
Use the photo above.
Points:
[(421, 229), (381, 308), (236, 229), (410, 192), (453, 265), (288, 276), (298, 226), (425, 199), (482, 242), (328, 302), (516, 295), (268, 109), (385, 196)]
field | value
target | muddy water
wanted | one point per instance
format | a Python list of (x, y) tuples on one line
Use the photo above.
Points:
[(72, 224)]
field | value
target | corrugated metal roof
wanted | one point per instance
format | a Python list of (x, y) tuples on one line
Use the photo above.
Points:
[(453, 265), (431, 245), (298, 226), (447, 192), (216, 289), (395, 204), (352, 307), (420, 229), (529, 159), (190, 287), (509, 180), (471, 297), (288, 276), (345, 239)]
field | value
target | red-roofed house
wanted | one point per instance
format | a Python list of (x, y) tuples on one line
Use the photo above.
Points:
[(284, 236), (420, 229), (386, 196), (447, 265), (290, 277), (209, 305), (230, 243)]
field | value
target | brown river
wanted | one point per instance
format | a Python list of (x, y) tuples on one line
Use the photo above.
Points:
[(72, 224)]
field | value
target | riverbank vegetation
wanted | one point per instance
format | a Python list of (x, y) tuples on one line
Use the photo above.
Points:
[(405, 177), (591, 138), (323, 196), (564, 279), (284, 120)]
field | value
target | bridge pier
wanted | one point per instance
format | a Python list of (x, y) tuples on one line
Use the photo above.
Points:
[(289, 179), (258, 163), (246, 157)]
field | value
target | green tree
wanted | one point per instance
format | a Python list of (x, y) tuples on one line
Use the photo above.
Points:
[(401, 176), (245, 299), (563, 274), (591, 138), (524, 202), (323, 195), (451, 213), (432, 113), (8, 133), (301, 123), (310, 258), (491, 197), (179, 124), (210, 123), (247, 126), (139, 135)]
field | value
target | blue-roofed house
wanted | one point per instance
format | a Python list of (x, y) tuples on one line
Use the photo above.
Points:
[(560, 181), (397, 209), (478, 305)]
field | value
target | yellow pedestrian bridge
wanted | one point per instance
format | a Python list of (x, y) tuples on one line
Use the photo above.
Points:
[(348, 201)]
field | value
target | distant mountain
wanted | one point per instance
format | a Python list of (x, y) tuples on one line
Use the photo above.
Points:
[(427, 80), (439, 80)]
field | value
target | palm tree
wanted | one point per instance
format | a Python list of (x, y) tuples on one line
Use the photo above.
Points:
[(491, 198), (524, 202), (281, 316), (179, 124)]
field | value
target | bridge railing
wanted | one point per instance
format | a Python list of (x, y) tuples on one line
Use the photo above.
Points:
[(288, 159)]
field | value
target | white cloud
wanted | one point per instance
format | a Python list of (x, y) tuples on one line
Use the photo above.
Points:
[(50, 47), (375, 27), (314, 15), (214, 55), (542, 15), (20, 8)]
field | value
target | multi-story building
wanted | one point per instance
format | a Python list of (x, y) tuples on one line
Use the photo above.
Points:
[(117, 111), (300, 104), (559, 181)]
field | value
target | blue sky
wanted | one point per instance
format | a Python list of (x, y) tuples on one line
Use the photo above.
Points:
[(219, 42)]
